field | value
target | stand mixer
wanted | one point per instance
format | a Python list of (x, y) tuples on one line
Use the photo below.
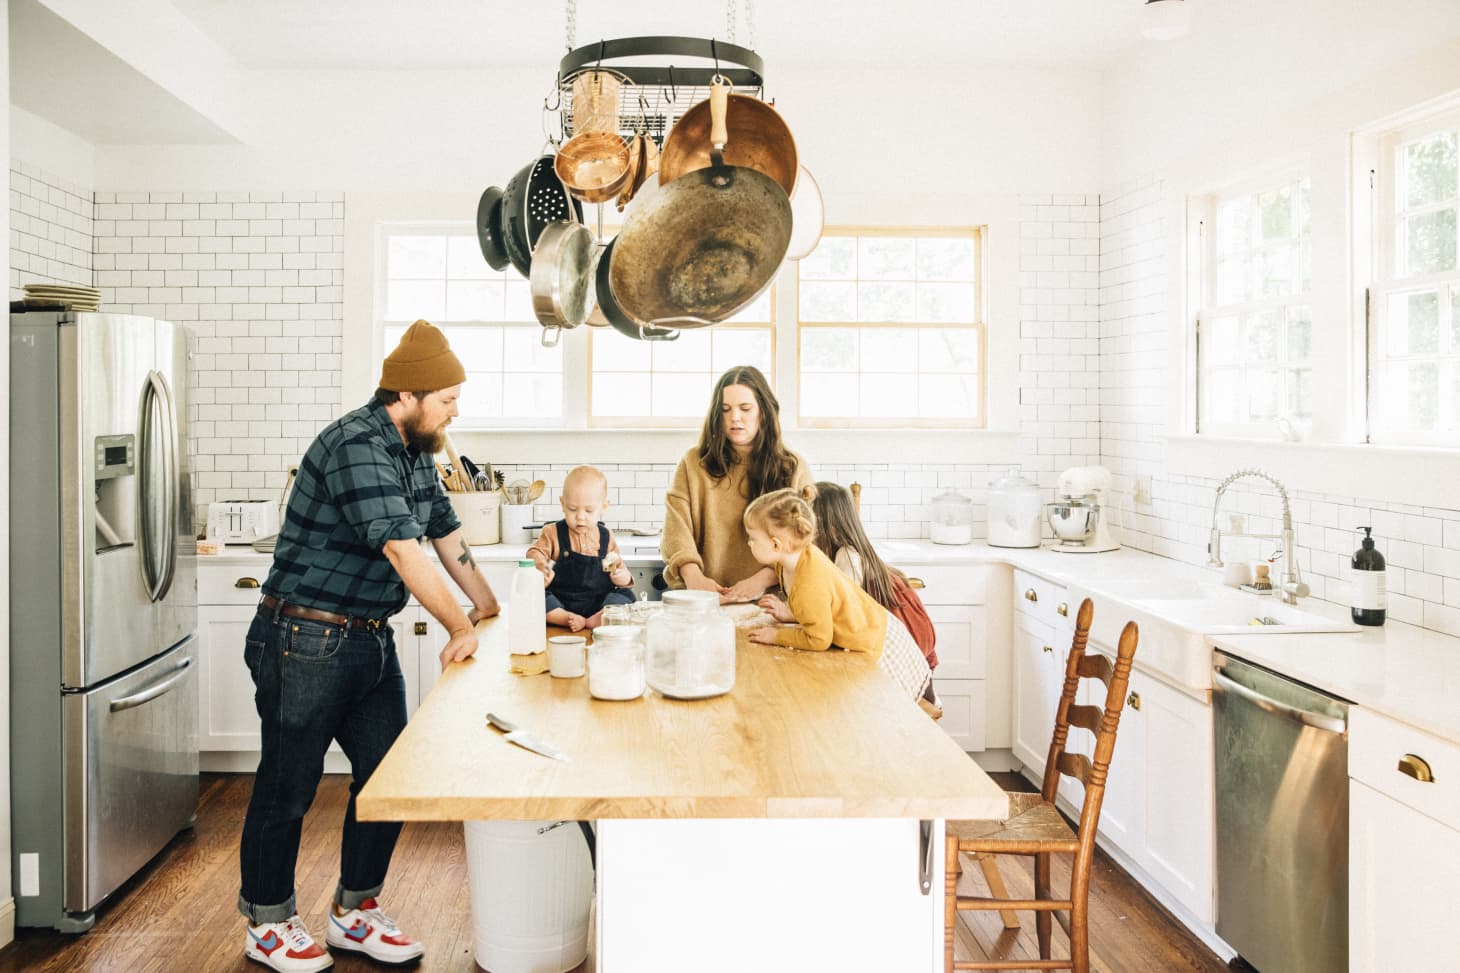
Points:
[(1079, 516)]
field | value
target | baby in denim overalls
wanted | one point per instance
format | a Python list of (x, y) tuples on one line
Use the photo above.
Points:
[(578, 557)]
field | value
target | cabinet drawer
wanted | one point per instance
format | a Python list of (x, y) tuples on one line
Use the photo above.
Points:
[(962, 640), (1376, 747), (964, 710), (231, 584), (1041, 599), (947, 585)]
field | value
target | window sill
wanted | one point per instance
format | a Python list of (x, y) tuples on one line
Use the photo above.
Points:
[(821, 447), (1391, 474)]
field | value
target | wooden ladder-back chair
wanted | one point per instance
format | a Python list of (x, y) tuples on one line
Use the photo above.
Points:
[(1035, 827)]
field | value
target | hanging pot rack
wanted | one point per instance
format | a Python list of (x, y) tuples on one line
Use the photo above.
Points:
[(660, 78)]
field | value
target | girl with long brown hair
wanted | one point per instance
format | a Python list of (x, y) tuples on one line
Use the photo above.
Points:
[(739, 457)]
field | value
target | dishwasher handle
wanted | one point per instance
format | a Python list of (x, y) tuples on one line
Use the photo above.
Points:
[(1319, 721)]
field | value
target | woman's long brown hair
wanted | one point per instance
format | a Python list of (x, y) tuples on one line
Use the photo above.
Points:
[(838, 526), (770, 464)]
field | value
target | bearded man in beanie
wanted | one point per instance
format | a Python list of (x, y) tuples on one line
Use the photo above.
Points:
[(322, 654)]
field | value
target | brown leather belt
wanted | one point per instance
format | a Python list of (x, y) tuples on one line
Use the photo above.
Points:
[(270, 603)]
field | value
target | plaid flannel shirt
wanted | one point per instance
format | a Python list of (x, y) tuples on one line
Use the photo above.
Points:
[(358, 487)]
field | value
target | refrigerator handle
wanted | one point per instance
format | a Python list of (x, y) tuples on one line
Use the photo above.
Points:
[(170, 482), (153, 690), (146, 448)]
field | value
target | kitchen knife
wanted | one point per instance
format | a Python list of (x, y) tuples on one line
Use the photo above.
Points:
[(524, 739)]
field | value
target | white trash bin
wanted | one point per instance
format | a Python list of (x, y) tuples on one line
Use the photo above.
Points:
[(530, 894)]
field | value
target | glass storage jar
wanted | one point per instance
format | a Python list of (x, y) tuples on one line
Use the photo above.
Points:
[(952, 521), (691, 646), (616, 662), (618, 615)]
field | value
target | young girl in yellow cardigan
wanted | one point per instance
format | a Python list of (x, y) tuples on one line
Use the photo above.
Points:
[(831, 608)]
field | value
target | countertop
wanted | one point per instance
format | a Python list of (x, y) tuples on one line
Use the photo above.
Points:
[(1401, 671), (802, 735)]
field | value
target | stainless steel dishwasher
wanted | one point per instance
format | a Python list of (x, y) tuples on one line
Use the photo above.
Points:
[(1282, 819)]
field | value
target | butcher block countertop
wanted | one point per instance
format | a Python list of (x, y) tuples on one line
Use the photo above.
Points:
[(802, 735)]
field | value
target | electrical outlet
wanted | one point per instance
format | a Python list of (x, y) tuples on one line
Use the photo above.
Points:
[(1142, 494)]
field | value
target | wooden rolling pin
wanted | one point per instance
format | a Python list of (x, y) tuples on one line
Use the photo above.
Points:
[(458, 472)]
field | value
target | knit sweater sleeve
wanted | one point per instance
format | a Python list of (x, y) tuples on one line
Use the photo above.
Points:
[(544, 550), (811, 602), (682, 513)]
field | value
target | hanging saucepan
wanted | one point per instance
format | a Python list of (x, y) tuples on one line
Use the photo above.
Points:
[(534, 198), (706, 245), (560, 284), (594, 165), (808, 216), (489, 228), (756, 138), (613, 313)]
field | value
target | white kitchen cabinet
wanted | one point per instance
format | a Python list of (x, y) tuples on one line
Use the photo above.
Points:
[(955, 596), (227, 718), (1042, 636), (1180, 840), (1123, 813), (1404, 845)]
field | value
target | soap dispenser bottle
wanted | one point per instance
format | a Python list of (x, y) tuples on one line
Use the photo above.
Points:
[(1369, 594)]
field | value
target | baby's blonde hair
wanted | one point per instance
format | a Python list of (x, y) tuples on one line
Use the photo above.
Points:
[(787, 512), (586, 475)]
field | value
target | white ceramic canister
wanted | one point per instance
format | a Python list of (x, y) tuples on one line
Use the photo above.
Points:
[(1016, 514), (566, 656)]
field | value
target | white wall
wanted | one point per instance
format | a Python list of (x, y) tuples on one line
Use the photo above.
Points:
[(1256, 85), (7, 901)]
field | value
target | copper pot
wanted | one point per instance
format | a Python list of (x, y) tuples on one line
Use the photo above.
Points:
[(594, 165), (756, 138)]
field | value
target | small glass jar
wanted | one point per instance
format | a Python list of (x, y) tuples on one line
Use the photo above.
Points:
[(952, 521), (616, 662), (691, 646), (618, 615)]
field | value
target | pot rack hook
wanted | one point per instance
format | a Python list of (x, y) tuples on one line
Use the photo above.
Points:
[(673, 90)]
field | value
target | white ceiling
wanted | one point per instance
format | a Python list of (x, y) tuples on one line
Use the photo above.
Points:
[(389, 34)]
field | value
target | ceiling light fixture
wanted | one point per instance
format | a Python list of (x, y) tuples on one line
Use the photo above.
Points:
[(1162, 20)]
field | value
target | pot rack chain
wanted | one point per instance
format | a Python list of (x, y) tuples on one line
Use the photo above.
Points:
[(570, 23)]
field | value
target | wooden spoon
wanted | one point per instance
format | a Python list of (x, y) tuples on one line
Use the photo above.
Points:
[(535, 491)]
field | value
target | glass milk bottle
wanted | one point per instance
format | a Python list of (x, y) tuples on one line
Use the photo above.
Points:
[(526, 611), (691, 646)]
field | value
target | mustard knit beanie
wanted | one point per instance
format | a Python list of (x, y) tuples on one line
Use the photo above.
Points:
[(422, 362)]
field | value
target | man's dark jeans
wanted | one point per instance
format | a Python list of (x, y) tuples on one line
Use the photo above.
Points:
[(316, 682)]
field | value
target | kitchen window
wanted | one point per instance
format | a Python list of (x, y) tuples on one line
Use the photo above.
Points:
[(1414, 298), (439, 274), (1255, 318), (665, 384), (892, 330)]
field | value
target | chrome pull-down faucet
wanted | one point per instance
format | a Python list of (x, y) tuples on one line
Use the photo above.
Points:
[(1292, 587)]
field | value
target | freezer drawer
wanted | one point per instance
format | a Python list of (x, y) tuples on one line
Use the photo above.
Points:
[(130, 756)]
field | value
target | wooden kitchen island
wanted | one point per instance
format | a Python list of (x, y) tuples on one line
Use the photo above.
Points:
[(795, 823)]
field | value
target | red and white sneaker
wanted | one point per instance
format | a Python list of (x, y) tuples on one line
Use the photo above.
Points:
[(286, 947), (370, 931)]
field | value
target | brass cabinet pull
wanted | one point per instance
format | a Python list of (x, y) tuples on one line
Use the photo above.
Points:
[(1049, 648), (915, 583), (246, 583), (1030, 595), (1133, 701), (421, 628), (1417, 768), (1063, 609)]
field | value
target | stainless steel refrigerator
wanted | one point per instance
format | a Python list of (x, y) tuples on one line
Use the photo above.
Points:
[(103, 607)]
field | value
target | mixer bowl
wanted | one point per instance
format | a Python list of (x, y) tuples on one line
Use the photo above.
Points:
[(1073, 521)]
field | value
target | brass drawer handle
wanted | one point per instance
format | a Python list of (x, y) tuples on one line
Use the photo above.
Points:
[(246, 583), (1133, 701), (1417, 768), (421, 628), (1063, 609), (1031, 595), (915, 583), (1049, 649)]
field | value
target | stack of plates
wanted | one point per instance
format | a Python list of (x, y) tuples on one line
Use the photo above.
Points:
[(76, 298)]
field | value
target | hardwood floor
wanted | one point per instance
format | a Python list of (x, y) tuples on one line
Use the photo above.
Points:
[(179, 915)]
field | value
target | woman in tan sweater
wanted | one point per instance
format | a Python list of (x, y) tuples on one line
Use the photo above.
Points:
[(739, 457)]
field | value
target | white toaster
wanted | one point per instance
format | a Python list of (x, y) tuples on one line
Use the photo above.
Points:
[(242, 521)]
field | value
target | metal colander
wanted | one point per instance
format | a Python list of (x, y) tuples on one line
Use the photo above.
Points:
[(534, 198)]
